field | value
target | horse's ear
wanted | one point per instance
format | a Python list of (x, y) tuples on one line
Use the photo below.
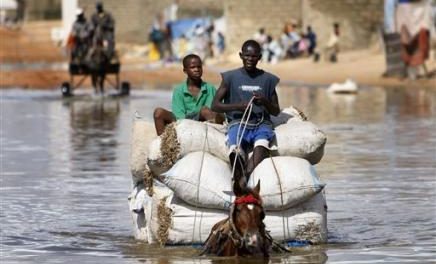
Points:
[(257, 188)]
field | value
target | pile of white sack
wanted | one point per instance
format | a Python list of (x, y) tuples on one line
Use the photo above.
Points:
[(182, 181)]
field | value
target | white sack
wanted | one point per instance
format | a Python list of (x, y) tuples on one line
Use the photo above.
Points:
[(193, 225), (201, 179), (141, 205), (188, 224), (191, 136), (137, 199), (295, 181), (289, 113), (297, 177), (143, 133), (300, 139)]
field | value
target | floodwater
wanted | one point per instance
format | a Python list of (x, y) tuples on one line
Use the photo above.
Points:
[(65, 178)]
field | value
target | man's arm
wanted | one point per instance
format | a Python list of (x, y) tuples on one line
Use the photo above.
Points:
[(271, 106), (219, 107)]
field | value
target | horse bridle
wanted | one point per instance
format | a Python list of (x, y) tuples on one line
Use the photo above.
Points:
[(234, 235)]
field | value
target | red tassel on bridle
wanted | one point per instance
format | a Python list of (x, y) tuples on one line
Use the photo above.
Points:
[(247, 199)]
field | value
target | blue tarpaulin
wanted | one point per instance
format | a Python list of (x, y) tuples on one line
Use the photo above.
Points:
[(186, 26)]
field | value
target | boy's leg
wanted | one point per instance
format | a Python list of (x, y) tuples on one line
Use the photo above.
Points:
[(162, 117), (259, 154), (261, 137)]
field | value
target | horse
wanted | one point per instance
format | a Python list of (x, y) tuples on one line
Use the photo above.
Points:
[(243, 232), (98, 60)]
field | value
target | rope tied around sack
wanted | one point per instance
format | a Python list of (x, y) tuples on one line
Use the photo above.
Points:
[(281, 196), (205, 142)]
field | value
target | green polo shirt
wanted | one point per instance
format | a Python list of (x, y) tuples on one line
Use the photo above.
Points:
[(184, 103)]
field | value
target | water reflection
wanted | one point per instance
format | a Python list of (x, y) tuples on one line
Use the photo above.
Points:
[(407, 103), (153, 254), (93, 124)]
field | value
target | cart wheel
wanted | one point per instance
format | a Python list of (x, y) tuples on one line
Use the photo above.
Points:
[(66, 89), (125, 88)]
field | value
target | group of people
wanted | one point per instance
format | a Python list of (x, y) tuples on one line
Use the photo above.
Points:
[(98, 33), (241, 88), (294, 44), (203, 39)]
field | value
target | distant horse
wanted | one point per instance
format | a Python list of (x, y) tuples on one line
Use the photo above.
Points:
[(243, 232), (98, 61)]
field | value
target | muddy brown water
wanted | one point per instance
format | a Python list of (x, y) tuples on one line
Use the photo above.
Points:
[(65, 178)]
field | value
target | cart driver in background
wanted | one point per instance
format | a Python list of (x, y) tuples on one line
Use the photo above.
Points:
[(103, 26), (80, 38)]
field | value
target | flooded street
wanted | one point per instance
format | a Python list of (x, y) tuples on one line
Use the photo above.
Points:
[(65, 177)]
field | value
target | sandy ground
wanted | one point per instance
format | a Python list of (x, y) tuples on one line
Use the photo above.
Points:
[(32, 45)]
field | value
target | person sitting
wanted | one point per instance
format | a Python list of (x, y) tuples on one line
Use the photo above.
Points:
[(239, 88), (103, 26), (311, 37), (260, 36), (295, 38), (414, 50), (80, 34), (272, 51), (285, 41), (191, 99)]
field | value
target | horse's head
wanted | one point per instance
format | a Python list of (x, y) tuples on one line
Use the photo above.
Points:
[(247, 216), (243, 233)]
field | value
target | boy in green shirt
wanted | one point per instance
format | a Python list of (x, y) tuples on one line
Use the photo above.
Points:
[(191, 99)]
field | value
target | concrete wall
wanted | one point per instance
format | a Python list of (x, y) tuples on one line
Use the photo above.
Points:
[(132, 17), (245, 17), (359, 20), (42, 9)]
